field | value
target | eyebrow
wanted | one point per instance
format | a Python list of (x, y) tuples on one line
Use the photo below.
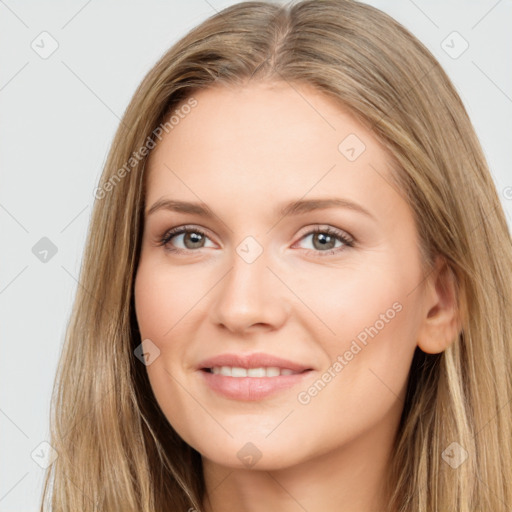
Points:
[(293, 208)]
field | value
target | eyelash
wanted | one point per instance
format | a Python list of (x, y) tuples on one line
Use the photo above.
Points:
[(347, 242)]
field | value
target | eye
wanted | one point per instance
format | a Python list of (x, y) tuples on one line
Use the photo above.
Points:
[(189, 236), (327, 240)]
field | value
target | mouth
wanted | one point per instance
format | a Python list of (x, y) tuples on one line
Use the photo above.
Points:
[(261, 371), (251, 365), (251, 377)]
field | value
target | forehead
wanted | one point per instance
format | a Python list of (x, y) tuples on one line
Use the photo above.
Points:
[(268, 141)]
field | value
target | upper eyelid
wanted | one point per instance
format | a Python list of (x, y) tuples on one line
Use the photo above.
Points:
[(180, 230)]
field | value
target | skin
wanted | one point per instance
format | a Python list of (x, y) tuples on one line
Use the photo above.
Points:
[(244, 151)]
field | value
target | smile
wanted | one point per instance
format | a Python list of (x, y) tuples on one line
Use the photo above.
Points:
[(262, 371)]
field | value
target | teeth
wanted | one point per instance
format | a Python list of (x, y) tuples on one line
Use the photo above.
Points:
[(225, 370), (238, 372), (272, 371), (256, 372), (234, 371)]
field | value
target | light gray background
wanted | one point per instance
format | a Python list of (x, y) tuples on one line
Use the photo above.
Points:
[(59, 115)]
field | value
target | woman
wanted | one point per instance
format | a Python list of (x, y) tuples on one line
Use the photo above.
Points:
[(296, 287)]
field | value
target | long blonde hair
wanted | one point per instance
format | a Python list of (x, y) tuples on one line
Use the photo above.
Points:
[(116, 449)]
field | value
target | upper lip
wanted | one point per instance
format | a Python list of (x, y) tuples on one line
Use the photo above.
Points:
[(257, 360)]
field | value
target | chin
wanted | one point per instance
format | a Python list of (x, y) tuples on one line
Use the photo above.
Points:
[(251, 453)]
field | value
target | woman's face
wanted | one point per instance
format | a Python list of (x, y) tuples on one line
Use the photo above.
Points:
[(282, 325)]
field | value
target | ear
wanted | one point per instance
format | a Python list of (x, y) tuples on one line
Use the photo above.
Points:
[(440, 318)]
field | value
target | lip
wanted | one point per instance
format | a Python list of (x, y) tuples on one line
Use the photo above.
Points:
[(251, 388), (247, 361)]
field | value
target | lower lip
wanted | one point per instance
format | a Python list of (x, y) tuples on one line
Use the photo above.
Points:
[(251, 388)]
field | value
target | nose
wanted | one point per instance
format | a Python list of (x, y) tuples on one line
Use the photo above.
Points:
[(250, 297)]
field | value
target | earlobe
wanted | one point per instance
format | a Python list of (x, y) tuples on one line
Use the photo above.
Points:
[(441, 323)]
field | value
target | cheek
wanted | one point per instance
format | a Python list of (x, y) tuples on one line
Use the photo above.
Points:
[(158, 310), (373, 319), (363, 384), (162, 298), (358, 302)]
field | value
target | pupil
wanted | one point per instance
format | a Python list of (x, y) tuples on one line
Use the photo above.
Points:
[(324, 240), (194, 238)]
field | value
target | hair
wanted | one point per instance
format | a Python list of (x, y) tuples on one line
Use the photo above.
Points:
[(116, 449)]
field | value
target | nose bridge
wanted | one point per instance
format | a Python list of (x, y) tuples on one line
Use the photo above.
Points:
[(250, 293)]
